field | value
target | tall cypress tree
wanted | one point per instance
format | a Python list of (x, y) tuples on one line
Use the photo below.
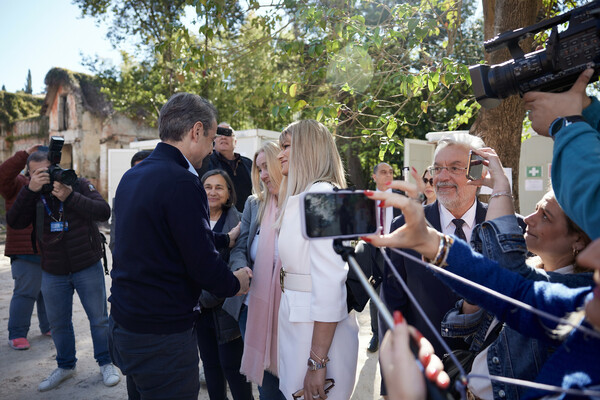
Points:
[(28, 88)]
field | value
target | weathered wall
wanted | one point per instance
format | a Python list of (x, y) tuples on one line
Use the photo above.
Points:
[(22, 135), (90, 136)]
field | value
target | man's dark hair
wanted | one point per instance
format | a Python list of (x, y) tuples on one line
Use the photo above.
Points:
[(139, 156), (180, 114), (232, 196), (37, 156)]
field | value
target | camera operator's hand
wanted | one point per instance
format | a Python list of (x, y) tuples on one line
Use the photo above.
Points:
[(33, 149), (234, 234), (544, 107), (61, 191), (243, 275), (39, 178)]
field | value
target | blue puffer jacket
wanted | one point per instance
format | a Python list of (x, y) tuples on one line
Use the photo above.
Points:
[(575, 170)]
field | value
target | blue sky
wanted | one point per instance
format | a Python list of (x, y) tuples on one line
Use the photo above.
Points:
[(42, 34)]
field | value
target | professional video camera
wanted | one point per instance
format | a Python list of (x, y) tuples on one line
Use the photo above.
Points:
[(553, 69), (64, 176)]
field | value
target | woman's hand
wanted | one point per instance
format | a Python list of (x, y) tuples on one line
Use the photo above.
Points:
[(420, 183), (234, 234), (314, 382), (497, 181), (414, 234), (403, 378)]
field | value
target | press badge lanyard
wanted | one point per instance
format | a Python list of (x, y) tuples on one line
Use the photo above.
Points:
[(58, 225)]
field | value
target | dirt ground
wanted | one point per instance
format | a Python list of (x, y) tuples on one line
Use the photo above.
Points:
[(22, 371)]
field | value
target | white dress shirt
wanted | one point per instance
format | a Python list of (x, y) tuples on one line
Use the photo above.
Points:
[(389, 215), (448, 226)]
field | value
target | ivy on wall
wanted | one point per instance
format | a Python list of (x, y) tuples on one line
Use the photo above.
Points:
[(16, 106)]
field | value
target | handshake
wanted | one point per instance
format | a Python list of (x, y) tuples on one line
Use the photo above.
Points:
[(243, 275)]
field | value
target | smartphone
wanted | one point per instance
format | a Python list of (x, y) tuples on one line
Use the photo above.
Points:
[(475, 167), (222, 131), (338, 215)]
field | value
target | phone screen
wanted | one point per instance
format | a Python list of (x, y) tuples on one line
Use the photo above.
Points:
[(475, 168), (338, 215)]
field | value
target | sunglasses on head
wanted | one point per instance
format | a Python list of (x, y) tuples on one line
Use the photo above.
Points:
[(329, 384), (426, 181)]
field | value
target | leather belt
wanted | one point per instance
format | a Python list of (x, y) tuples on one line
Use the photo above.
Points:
[(297, 282)]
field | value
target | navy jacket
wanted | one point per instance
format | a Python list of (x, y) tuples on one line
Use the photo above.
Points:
[(166, 250), (433, 295)]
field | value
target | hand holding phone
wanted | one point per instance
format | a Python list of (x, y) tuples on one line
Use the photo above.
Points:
[(475, 167), (338, 215)]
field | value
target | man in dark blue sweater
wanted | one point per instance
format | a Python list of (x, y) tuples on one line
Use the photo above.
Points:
[(166, 256)]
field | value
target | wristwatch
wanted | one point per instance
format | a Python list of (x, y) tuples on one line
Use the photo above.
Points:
[(562, 122), (314, 365)]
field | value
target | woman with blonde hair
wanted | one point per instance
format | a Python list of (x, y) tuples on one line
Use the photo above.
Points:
[(256, 248), (314, 323)]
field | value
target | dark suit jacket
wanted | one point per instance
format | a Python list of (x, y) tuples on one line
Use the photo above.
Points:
[(432, 295)]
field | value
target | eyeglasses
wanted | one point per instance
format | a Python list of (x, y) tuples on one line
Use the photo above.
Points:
[(329, 384), (426, 181), (453, 170)]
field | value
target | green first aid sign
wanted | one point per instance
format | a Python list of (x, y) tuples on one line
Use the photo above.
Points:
[(534, 172)]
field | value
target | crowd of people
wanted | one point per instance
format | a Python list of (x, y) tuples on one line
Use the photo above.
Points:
[(209, 262)]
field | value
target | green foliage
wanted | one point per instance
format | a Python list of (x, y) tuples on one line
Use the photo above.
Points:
[(375, 72), (379, 72), (16, 106)]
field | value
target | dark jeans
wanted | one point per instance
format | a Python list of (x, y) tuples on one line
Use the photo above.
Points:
[(221, 362), (270, 384), (158, 366)]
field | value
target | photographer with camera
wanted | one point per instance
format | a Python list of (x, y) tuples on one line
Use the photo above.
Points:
[(25, 265), (63, 219), (572, 119)]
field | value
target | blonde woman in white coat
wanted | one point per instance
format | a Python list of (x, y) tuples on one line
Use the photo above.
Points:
[(317, 337)]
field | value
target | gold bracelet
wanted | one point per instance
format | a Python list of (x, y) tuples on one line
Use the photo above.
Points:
[(323, 360)]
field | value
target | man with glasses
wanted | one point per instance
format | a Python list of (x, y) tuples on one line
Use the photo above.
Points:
[(237, 166), (456, 211)]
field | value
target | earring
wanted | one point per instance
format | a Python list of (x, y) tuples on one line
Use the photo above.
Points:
[(575, 252)]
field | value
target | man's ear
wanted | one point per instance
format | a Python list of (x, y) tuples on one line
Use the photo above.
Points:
[(197, 131)]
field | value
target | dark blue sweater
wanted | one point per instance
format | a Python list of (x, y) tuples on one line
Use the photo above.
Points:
[(164, 248)]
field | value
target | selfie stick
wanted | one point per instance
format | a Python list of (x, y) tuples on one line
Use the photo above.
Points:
[(347, 254)]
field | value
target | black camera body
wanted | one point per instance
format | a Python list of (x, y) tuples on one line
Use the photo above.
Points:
[(65, 176), (553, 69)]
